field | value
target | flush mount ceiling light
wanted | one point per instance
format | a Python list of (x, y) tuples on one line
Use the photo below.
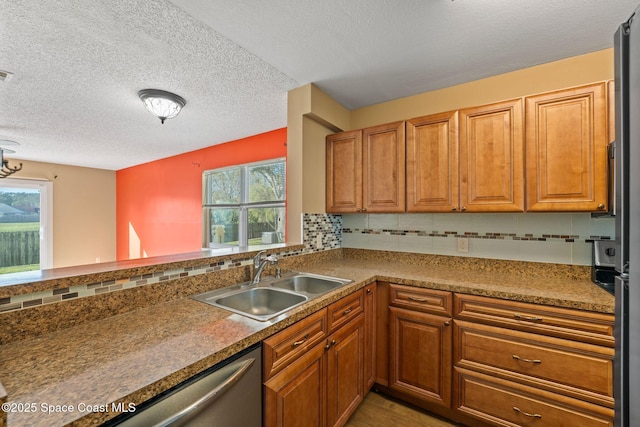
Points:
[(5, 169), (162, 104)]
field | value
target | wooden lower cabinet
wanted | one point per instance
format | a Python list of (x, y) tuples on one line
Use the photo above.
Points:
[(324, 384), (420, 337), (370, 330), (345, 372), (543, 362), (478, 361), (522, 364), (501, 402), (296, 396), (420, 355)]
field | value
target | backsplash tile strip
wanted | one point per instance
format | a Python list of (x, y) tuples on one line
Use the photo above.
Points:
[(476, 235), (329, 225)]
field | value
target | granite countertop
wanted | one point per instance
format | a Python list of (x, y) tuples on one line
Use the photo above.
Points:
[(131, 357)]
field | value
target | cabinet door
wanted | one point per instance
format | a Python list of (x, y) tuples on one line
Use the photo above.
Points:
[(432, 163), (421, 351), (296, 396), (345, 372), (492, 158), (344, 172), (370, 300), (383, 168), (566, 148)]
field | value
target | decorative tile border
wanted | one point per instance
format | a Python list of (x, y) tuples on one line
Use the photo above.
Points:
[(328, 225), (476, 235)]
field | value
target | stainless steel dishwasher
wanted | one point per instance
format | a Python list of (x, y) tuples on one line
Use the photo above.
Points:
[(227, 394)]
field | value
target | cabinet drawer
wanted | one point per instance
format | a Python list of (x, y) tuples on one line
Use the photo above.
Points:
[(421, 299), (585, 326), (342, 311), (582, 370), (283, 348), (504, 403)]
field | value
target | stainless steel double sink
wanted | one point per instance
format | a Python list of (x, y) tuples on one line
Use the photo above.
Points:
[(271, 297)]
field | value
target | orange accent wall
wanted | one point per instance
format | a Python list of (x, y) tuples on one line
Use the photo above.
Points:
[(159, 204)]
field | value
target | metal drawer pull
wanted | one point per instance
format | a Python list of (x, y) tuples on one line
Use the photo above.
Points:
[(529, 319), (302, 341), (526, 360), (416, 299), (347, 311), (526, 414)]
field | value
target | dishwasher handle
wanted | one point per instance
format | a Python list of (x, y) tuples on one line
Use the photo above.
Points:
[(212, 396)]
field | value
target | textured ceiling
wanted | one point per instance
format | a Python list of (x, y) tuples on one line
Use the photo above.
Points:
[(77, 65)]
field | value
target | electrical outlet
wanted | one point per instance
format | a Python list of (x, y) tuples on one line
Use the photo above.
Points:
[(319, 240), (463, 244)]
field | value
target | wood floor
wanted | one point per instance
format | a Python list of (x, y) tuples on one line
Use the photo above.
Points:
[(381, 410)]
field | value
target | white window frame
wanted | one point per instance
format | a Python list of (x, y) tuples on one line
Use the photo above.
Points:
[(46, 214), (243, 206)]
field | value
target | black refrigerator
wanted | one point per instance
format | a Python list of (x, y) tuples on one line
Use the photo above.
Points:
[(627, 219)]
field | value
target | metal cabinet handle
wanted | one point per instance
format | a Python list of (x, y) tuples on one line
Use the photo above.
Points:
[(416, 299), (347, 311), (329, 344), (601, 206), (369, 291), (464, 208), (302, 341), (535, 361), (212, 396), (454, 208), (447, 323), (526, 414), (527, 318)]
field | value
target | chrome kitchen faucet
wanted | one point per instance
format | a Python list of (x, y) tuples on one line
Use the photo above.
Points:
[(260, 263)]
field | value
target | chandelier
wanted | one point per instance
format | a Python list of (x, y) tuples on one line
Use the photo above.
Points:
[(5, 169)]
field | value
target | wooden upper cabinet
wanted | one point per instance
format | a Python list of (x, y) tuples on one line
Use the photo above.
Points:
[(344, 172), (432, 163), (566, 149), (383, 166), (492, 158), (366, 170), (611, 109)]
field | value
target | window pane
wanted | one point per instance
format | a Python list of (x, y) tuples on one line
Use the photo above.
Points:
[(19, 229), (223, 186), (266, 225), (267, 182), (223, 227)]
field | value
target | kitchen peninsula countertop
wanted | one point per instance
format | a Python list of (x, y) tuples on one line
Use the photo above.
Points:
[(130, 357)]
